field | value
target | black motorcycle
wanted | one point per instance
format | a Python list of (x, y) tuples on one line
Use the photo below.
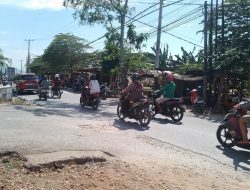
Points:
[(56, 91), (87, 99), (172, 108), (140, 111), (103, 92), (199, 106)]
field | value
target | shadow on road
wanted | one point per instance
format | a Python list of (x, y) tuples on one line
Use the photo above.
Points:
[(241, 158), (74, 110), (165, 121), (126, 125)]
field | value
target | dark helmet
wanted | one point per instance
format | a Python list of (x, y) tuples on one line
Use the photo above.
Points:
[(135, 77), (93, 77)]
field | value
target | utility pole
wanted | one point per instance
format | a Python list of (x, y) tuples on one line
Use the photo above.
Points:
[(21, 66), (28, 58), (158, 42), (205, 53), (223, 27)]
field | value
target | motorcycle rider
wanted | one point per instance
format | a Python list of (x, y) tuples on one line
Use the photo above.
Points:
[(244, 121), (43, 83), (134, 89), (94, 86), (56, 83), (167, 90)]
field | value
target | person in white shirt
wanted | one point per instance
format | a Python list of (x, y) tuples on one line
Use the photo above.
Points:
[(94, 86)]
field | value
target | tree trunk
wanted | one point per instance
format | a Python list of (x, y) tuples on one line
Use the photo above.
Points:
[(218, 107)]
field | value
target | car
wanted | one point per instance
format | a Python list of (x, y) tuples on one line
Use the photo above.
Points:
[(25, 83)]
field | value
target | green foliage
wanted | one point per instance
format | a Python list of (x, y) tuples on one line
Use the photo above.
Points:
[(38, 66), (135, 40), (138, 61), (65, 52), (97, 11), (233, 57), (3, 60)]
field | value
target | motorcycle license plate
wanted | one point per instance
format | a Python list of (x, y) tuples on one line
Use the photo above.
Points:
[(43, 90)]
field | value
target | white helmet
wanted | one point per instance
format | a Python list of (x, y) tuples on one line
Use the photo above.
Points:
[(57, 76)]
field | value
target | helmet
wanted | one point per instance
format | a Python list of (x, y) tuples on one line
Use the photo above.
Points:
[(93, 77), (57, 75), (135, 77)]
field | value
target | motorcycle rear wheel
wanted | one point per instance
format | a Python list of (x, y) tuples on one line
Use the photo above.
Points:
[(224, 137), (120, 114), (95, 105), (144, 117), (176, 113)]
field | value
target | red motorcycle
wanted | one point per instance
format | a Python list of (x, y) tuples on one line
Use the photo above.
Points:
[(228, 133), (172, 108)]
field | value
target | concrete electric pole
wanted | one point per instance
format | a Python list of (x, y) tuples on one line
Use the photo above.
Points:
[(158, 42), (28, 58)]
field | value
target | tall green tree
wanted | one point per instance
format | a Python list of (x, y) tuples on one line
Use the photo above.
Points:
[(65, 52), (102, 12), (38, 66), (3, 60)]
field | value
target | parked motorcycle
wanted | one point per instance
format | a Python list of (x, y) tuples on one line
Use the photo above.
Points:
[(87, 99), (228, 133), (140, 112), (43, 94), (172, 108), (5, 82), (103, 92), (199, 106)]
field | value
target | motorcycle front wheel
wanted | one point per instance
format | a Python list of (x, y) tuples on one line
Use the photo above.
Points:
[(83, 101), (144, 117), (120, 113), (176, 113), (224, 136), (152, 109)]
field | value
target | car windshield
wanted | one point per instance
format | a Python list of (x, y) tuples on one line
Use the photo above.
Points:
[(29, 77)]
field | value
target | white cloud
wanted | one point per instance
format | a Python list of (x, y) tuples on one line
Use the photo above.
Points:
[(34, 4)]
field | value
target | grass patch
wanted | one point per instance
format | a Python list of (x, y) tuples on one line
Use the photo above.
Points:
[(18, 101)]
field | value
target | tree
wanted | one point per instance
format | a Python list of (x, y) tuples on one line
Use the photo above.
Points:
[(102, 12), (38, 66), (3, 60), (65, 52)]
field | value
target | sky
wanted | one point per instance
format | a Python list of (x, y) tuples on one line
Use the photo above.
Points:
[(40, 20)]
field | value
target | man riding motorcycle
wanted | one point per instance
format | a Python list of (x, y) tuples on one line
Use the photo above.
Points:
[(56, 82), (134, 90), (244, 121), (167, 90)]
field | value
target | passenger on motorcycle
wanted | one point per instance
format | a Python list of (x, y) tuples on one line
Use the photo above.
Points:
[(134, 90), (244, 121), (167, 90)]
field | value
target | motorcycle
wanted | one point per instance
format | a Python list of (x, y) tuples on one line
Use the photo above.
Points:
[(103, 92), (172, 108), (56, 91), (43, 94), (92, 100), (228, 133), (140, 111), (5, 82), (199, 106)]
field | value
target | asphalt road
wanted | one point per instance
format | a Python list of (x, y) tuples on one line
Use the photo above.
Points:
[(61, 124)]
